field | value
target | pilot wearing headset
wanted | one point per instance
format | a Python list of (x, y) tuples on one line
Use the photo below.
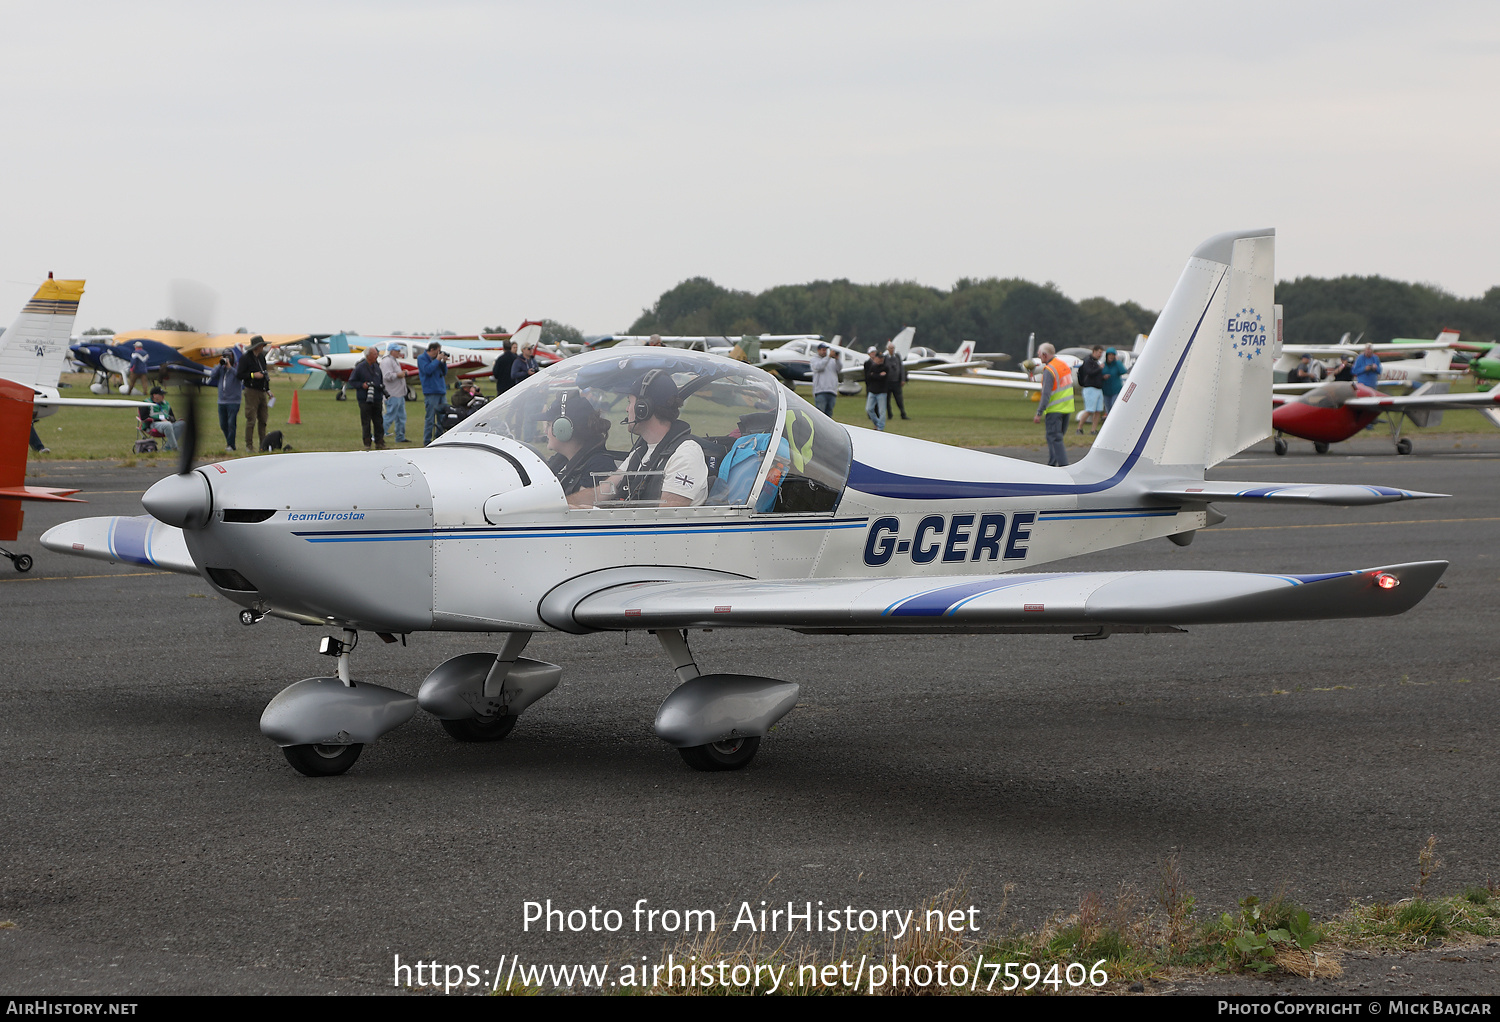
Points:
[(666, 467), (577, 433)]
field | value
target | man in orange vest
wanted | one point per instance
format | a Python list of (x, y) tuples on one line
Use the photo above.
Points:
[(1056, 402)]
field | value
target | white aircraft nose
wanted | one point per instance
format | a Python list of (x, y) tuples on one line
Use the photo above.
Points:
[(180, 500)]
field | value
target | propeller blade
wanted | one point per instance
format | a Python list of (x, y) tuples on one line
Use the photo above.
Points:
[(187, 443)]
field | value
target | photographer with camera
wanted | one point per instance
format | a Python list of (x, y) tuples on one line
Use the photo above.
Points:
[(230, 388), (369, 388), (432, 367)]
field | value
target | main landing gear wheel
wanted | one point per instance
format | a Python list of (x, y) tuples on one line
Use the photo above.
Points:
[(735, 754), (22, 562), (1280, 446), (1403, 446), (322, 760), (1320, 447), (481, 729)]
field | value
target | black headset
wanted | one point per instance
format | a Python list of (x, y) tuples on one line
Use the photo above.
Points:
[(643, 406)]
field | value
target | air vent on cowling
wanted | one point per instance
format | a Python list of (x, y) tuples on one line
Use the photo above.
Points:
[(247, 514), (230, 580)]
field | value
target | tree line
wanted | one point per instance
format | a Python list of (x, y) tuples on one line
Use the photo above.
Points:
[(1000, 314)]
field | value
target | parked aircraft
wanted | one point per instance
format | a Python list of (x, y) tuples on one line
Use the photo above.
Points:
[(32, 353), (1335, 411), (465, 361), (1484, 362), (809, 525), (1403, 361)]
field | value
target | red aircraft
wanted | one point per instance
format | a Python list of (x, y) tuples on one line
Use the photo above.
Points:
[(15, 431), (1337, 411)]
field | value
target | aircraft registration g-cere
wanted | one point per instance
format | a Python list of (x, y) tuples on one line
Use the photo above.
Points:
[(809, 526)]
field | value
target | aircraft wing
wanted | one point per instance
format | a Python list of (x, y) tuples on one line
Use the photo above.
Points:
[(1432, 402), (933, 366), (1007, 382), (84, 402), (1303, 388), (1355, 349), (1081, 602), (137, 540), (1340, 494)]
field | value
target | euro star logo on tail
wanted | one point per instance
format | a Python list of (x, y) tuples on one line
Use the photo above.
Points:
[(1247, 334)]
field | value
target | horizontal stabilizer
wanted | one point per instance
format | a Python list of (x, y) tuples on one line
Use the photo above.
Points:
[(1341, 494), (1062, 602), (38, 493), (136, 540)]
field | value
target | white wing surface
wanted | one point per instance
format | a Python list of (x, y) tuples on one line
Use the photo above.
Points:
[(1082, 602), (134, 540)]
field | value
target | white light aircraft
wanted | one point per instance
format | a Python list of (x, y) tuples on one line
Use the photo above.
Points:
[(809, 525)]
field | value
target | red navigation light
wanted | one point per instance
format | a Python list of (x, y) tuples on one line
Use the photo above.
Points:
[(1386, 580)]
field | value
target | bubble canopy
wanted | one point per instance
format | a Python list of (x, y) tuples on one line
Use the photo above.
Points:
[(767, 449)]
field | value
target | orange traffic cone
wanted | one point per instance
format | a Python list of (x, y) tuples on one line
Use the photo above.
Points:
[(296, 419)]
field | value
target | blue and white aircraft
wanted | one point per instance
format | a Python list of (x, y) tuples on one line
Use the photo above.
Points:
[(806, 525)]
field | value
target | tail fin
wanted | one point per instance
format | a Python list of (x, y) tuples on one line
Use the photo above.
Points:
[(1436, 360), (903, 341), (965, 352), (33, 350), (1201, 390)]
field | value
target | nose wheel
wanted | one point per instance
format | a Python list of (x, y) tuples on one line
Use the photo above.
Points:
[(1280, 446), (322, 760), (22, 562), (481, 729), (734, 754), (1320, 447)]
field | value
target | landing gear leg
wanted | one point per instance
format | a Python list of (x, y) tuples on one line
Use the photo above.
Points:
[(1403, 444)]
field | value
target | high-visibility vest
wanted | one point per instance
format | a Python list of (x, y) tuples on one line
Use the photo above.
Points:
[(1062, 388)]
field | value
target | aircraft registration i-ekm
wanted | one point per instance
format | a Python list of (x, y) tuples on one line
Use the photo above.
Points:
[(809, 526)]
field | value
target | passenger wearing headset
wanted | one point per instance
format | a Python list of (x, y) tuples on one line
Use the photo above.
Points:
[(577, 432), (666, 467)]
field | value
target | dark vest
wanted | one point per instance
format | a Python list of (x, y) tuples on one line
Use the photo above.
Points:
[(648, 487)]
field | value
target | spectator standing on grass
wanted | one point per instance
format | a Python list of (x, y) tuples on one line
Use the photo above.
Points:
[(230, 388), (877, 387), (1091, 379), (432, 367), (825, 379), (525, 366), (1114, 379), (255, 376), (1056, 402), (369, 391), (393, 376), (897, 370), (140, 365), (1367, 367), (501, 372)]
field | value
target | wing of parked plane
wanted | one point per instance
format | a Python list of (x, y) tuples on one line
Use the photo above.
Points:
[(1430, 398), (1080, 602)]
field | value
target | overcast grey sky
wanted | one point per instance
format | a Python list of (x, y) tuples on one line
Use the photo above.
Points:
[(449, 165)]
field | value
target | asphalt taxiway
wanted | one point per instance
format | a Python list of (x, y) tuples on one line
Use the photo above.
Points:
[(153, 842)]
